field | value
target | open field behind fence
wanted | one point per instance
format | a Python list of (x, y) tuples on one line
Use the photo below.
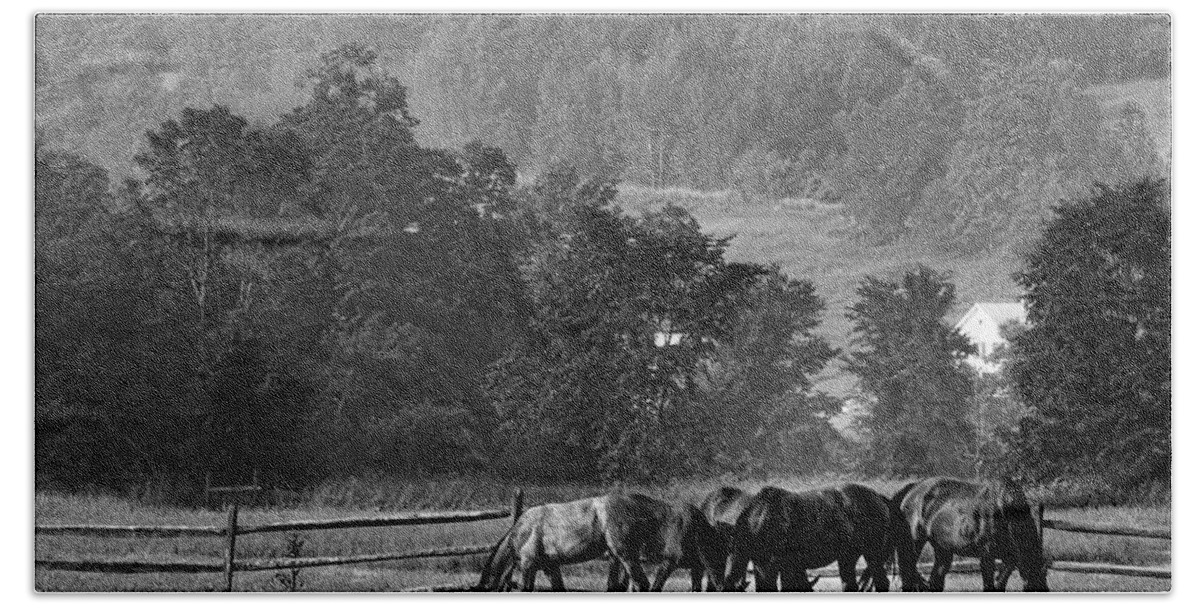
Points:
[(366, 550)]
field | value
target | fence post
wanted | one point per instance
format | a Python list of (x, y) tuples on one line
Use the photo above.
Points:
[(518, 505), (230, 546), (1041, 521), (1041, 529)]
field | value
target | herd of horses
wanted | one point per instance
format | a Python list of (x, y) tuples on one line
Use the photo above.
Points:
[(779, 535)]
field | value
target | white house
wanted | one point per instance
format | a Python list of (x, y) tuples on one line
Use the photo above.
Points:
[(981, 325)]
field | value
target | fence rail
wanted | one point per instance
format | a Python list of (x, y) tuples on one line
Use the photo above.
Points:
[(117, 566), (415, 519), (312, 562), (128, 531), (1115, 530)]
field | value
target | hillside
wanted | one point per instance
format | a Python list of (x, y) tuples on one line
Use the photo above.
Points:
[(805, 239), (1154, 97)]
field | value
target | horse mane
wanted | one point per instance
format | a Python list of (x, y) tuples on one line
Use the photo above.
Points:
[(898, 497)]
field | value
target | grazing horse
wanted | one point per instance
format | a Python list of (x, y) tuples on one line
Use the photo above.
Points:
[(627, 527), (986, 520), (786, 533)]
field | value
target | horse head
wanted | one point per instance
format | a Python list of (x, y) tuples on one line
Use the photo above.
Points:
[(1019, 535), (710, 543)]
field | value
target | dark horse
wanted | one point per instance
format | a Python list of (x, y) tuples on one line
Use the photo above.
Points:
[(627, 527), (786, 533), (678, 536), (986, 520), (721, 508)]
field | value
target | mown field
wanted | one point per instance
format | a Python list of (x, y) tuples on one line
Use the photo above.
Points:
[(351, 499)]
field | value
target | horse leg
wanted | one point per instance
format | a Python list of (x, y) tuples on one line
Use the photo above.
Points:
[(942, 560), (734, 577), (848, 573), (908, 551), (987, 570), (766, 576), (664, 572), (1002, 577), (698, 579), (877, 573), (528, 577), (505, 583), (617, 580), (637, 576), (791, 576), (556, 579)]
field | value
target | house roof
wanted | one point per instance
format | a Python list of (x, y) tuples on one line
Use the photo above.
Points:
[(999, 312)]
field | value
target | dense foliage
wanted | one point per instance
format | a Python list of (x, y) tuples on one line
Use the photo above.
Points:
[(912, 370), (324, 295), (1095, 363)]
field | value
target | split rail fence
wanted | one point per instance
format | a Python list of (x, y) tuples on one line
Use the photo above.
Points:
[(232, 531), (1108, 530)]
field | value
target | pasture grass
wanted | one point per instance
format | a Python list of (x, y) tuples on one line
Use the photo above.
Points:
[(355, 498)]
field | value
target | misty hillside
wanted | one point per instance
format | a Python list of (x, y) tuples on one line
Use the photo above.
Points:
[(515, 81)]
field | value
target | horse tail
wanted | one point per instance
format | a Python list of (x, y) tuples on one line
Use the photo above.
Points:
[(499, 564), (903, 542)]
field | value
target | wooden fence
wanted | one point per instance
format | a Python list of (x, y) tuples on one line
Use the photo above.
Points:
[(231, 531), (1105, 529)]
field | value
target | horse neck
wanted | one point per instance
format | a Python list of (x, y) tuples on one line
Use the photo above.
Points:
[(1016, 528)]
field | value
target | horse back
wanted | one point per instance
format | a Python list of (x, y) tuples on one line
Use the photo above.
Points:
[(955, 514), (870, 514), (812, 525), (564, 533)]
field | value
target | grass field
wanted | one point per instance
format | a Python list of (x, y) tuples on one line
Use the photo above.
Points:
[(358, 499)]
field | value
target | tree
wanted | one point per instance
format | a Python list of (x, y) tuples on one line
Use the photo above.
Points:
[(623, 312), (247, 314), (911, 368), (996, 411), (211, 162), (1095, 363), (894, 150), (758, 393), (92, 309), (431, 296)]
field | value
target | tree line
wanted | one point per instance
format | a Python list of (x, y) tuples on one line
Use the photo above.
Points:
[(322, 296)]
